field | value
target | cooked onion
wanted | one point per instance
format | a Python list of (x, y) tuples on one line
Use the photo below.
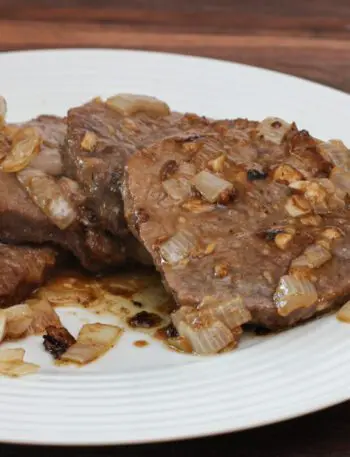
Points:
[(217, 164), (10, 355), (297, 206), (18, 320), (129, 104), (48, 160), (337, 153), (3, 319), (206, 335), (317, 255), (274, 129), (230, 312), (43, 316), (11, 363), (341, 180), (151, 297), (178, 247), (93, 341), (25, 146), (210, 186), (286, 174), (344, 313), (198, 206), (292, 294), (187, 169), (179, 189), (48, 196)]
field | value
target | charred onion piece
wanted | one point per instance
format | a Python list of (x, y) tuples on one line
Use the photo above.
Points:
[(129, 104), (145, 319), (57, 340)]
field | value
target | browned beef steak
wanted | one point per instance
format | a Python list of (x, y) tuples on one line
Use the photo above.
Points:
[(253, 210), (102, 136), (30, 198), (22, 269)]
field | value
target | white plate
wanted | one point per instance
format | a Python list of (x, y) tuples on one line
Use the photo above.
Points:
[(137, 395)]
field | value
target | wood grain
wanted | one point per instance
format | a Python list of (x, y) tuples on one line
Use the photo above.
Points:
[(308, 38)]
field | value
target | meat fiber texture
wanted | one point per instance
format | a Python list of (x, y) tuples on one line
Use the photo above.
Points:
[(23, 269), (232, 242)]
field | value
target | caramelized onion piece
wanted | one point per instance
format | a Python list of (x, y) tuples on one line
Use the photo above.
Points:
[(93, 341), (230, 312), (25, 146), (292, 294), (178, 247), (211, 186), (19, 318), (48, 196), (344, 313), (286, 174), (205, 334), (274, 129), (12, 364), (179, 189), (337, 153), (297, 206), (129, 104), (43, 316)]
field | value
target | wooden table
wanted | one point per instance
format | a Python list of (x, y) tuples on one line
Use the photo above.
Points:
[(308, 38)]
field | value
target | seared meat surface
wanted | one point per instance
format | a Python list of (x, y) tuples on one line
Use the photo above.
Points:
[(23, 269), (254, 210)]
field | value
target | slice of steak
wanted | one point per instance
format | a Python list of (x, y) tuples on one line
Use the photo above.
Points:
[(22, 218), (102, 136), (23, 269), (250, 211)]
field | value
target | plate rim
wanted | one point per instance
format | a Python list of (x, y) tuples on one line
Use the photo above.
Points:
[(323, 405)]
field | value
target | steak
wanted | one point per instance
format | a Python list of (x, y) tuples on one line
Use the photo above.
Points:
[(101, 138), (23, 269), (22, 221), (249, 210)]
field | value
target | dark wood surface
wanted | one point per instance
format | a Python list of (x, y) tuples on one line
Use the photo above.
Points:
[(308, 38)]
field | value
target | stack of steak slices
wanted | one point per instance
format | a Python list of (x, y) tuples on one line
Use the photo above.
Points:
[(246, 223)]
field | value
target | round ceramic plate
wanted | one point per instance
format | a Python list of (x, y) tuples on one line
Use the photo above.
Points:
[(135, 395)]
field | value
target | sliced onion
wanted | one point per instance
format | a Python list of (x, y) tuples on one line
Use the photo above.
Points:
[(187, 169), (89, 141), (119, 305), (297, 206), (178, 247), (43, 316), (274, 129), (217, 164), (93, 341), (151, 297), (19, 318), (337, 153), (197, 206), (179, 189), (71, 190), (3, 319), (341, 180), (48, 196), (206, 335), (210, 186), (48, 160), (292, 294), (25, 146), (344, 313), (129, 104), (17, 368), (286, 174), (231, 312), (11, 355), (317, 255)]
